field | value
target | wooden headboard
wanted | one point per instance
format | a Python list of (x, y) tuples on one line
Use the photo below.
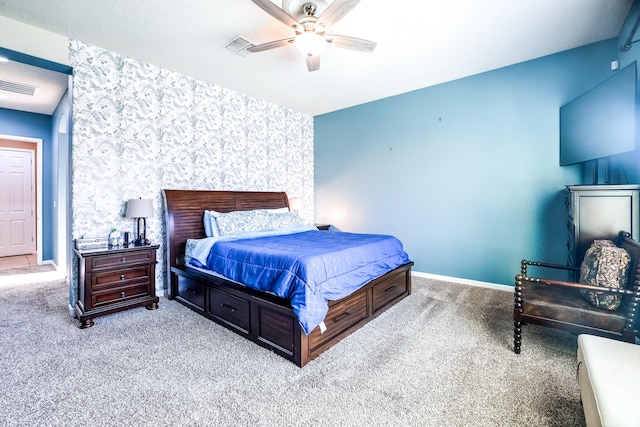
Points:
[(184, 210)]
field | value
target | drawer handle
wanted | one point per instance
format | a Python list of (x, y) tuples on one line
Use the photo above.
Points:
[(342, 316), (123, 259), (390, 289), (122, 294), (227, 306), (122, 277)]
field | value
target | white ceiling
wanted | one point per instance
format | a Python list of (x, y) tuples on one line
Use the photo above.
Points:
[(50, 86), (420, 43)]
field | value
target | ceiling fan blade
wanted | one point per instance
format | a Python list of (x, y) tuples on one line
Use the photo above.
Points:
[(270, 45), (313, 62), (335, 12), (352, 43), (277, 12)]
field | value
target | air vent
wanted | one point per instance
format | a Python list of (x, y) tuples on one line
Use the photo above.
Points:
[(17, 88), (239, 45)]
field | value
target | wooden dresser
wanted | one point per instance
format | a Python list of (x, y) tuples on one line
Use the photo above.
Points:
[(600, 212), (115, 279)]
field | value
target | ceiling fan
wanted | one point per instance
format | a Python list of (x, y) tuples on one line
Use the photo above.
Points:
[(309, 20)]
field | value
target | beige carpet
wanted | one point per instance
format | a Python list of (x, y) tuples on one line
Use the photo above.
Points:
[(29, 274), (27, 270), (447, 360)]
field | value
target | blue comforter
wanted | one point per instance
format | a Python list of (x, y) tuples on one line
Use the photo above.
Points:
[(308, 268)]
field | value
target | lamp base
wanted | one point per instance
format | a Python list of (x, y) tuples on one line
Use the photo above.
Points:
[(142, 240)]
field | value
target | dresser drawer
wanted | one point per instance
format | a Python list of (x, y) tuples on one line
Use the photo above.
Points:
[(341, 316), (387, 291), (121, 260), (116, 295), (120, 277), (191, 291), (229, 308)]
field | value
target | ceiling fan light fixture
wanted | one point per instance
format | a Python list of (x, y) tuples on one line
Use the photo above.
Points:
[(310, 43)]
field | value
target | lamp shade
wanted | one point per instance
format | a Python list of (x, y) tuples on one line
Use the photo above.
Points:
[(139, 208)]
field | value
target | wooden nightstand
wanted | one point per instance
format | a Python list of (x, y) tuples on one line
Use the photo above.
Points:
[(115, 279)]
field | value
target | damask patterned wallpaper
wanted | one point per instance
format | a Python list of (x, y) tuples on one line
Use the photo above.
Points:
[(138, 128)]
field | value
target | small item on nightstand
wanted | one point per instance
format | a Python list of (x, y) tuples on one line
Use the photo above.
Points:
[(126, 239), (88, 243), (115, 238)]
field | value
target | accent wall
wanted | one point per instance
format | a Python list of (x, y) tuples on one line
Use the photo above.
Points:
[(138, 129), (465, 173)]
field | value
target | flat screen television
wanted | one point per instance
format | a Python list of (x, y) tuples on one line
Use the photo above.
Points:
[(601, 122)]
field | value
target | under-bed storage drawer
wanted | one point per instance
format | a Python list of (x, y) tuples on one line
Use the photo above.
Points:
[(230, 309), (276, 329), (393, 287), (191, 291), (341, 315)]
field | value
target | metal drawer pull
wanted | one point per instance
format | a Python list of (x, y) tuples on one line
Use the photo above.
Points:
[(232, 309), (390, 289), (122, 294), (342, 316), (123, 259), (122, 277)]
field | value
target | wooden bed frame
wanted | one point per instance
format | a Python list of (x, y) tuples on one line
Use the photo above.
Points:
[(260, 317)]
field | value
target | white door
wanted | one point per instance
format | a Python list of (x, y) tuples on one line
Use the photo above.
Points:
[(17, 202)]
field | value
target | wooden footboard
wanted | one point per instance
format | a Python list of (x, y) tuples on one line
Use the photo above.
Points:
[(262, 318), (270, 322)]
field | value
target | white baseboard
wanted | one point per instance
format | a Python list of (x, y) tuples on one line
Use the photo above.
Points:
[(470, 282)]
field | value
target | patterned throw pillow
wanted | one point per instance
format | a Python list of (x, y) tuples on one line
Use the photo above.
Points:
[(604, 265), (239, 222)]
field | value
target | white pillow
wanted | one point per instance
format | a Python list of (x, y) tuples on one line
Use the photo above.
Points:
[(210, 226)]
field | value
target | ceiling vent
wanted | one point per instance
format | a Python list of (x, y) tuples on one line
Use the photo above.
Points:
[(20, 88), (239, 46)]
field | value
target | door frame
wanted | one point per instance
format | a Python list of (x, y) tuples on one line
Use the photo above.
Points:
[(38, 143)]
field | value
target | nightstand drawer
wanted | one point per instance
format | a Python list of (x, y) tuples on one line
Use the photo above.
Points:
[(121, 260), (120, 277), (231, 309), (113, 296)]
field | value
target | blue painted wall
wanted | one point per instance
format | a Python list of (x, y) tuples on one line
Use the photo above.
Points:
[(32, 125), (61, 137), (630, 163), (465, 173)]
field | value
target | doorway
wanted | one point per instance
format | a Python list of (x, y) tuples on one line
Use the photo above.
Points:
[(21, 211)]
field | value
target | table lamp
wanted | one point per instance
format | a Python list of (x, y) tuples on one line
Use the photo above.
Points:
[(140, 209)]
